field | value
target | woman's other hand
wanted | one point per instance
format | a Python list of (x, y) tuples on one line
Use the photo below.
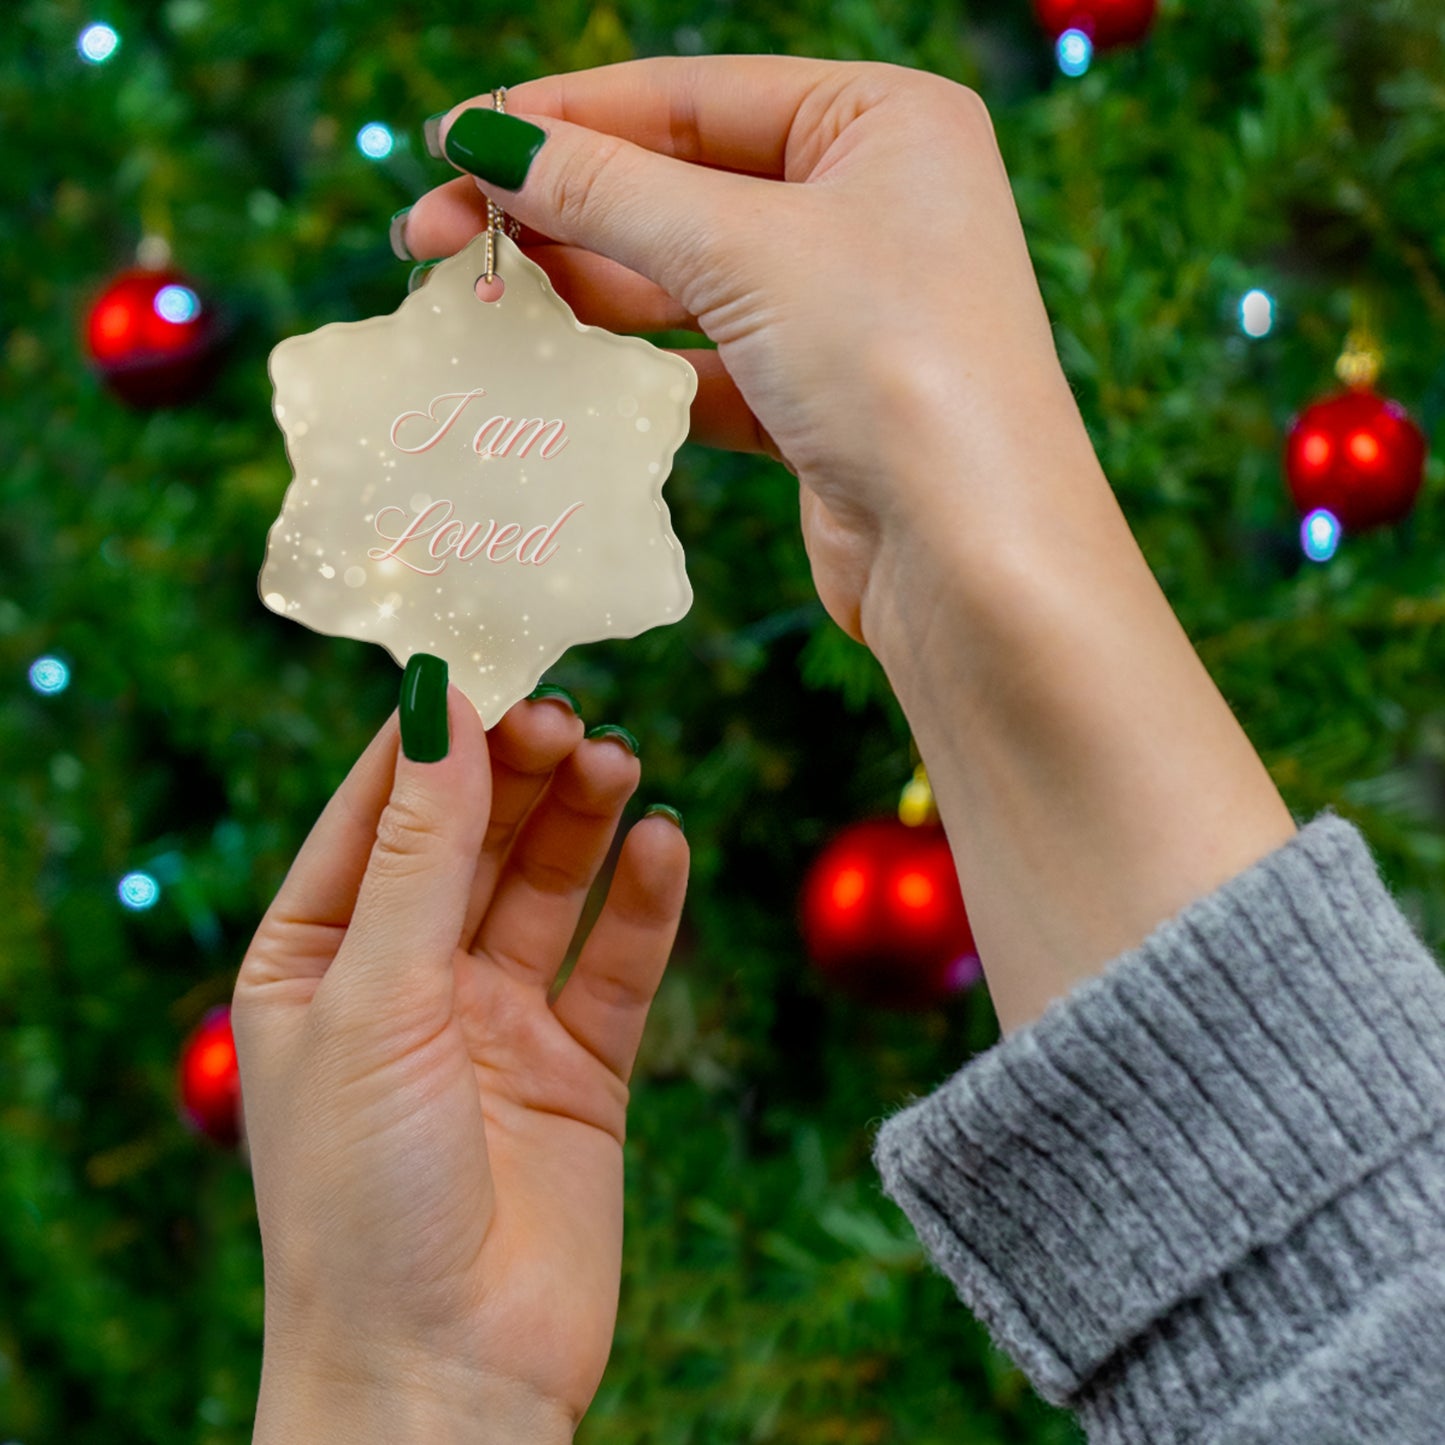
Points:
[(437, 1149)]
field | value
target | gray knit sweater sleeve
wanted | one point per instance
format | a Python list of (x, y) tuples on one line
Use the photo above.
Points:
[(1202, 1199)]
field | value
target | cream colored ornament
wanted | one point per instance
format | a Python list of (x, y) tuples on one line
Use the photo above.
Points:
[(480, 480)]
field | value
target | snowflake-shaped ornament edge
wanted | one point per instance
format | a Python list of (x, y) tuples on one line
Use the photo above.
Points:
[(478, 480)]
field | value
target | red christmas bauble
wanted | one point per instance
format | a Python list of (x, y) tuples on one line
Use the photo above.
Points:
[(1107, 23), (152, 338), (883, 916), (1359, 456), (210, 1081)]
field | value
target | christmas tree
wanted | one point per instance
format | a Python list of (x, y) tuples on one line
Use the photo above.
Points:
[(1213, 210)]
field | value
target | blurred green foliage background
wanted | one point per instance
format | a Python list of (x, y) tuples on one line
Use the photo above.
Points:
[(771, 1293)]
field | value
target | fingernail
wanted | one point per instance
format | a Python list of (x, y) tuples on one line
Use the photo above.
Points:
[(667, 812), (550, 689), (397, 234), (431, 133), (497, 147), (425, 737), (612, 730), (418, 275)]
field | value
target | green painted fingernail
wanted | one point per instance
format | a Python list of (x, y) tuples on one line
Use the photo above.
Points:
[(418, 275), (499, 148), (397, 233), (667, 812), (550, 689), (612, 730), (425, 736), (431, 133)]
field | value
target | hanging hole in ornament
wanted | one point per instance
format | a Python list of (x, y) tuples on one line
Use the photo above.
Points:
[(490, 290)]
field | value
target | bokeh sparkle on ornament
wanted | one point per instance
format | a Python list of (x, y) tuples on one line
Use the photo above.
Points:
[(209, 1079), (466, 440), (49, 675), (97, 43), (1256, 313), (1320, 535), (1075, 52), (138, 891), (375, 140)]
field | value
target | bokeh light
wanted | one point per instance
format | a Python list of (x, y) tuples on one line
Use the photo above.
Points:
[(138, 891), (1320, 535), (97, 43), (1256, 313), (1075, 52), (375, 140), (177, 303), (49, 675)]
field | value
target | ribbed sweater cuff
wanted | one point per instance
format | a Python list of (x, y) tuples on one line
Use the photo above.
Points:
[(1228, 1087)]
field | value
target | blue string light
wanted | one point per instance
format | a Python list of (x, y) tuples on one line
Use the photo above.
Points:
[(177, 304), (49, 675), (1256, 313), (97, 43), (138, 891), (375, 141), (1320, 535), (1075, 52)]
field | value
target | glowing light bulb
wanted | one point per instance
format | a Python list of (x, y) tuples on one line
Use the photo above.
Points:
[(1320, 535), (97, 43), (138, 891), (1256, 313), (1075, 52), (375, 141), (49, 675), (177, 304)]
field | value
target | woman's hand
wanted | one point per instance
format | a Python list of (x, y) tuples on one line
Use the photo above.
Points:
[(847, 236), (437, 1150), (878, 325)]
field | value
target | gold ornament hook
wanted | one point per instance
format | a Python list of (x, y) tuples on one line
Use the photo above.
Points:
[(1360, 362), (497, 218), (916, 806)]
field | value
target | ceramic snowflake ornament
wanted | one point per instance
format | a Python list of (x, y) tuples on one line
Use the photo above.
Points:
[(480, 480)]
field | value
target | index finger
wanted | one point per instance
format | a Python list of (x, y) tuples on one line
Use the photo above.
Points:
[(734, 112)]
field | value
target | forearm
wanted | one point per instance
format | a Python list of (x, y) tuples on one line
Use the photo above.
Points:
[(1091, 778)]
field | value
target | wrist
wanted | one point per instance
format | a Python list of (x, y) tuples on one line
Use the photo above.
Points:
[(985, 474), (321, 1402), (978, 529), (1092, 779)]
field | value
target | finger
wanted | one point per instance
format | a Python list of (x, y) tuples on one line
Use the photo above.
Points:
[(741, 113), (602, 293), (720, 415), (653, 214), (396, 962), (543, 887), (443, 220), (301, 930), (606, 998), (598, 290), (526, 746)]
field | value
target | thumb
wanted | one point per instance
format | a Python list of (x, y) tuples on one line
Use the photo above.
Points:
[(664, 218), (413, 898)]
